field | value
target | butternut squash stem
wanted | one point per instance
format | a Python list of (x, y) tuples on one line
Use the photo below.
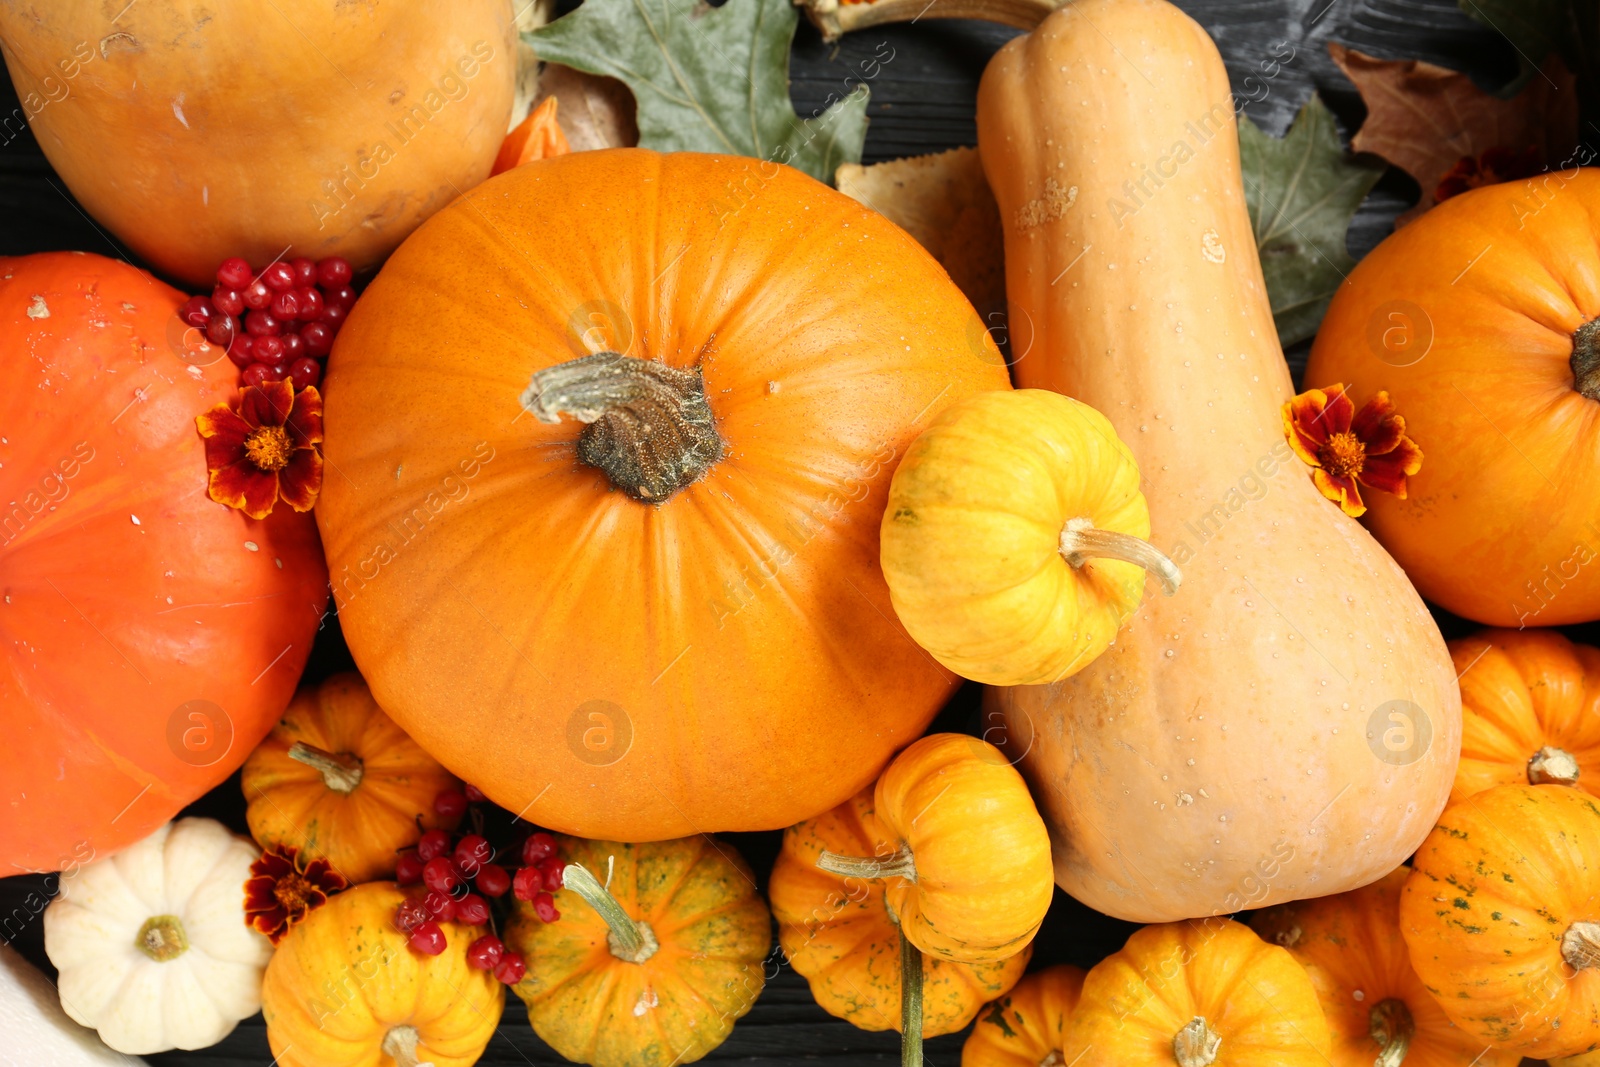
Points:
[(898, 864), (630, 941), (1196, 1045), (400, 1045), (1081, 542), (835, 19), (340, 773), (910, 1003), (1392, 1027), (1586, 359), (648, 426), (1580, 945), (1554, 766)]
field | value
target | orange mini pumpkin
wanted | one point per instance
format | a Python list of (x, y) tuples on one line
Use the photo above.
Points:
[(339, 780), (1530, 711), (616, 430), (1028, 1026)]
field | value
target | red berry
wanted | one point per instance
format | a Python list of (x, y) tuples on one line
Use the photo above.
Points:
[(258, 374), (510, 969), (472, 910), (294, 346), (304, 373), (342, 297), (256, 294), (474, 794), (450, 804), (261, 323), (433, 843), (310, 302), (286, 305), (408, 868), (485, 952), (544, 906), (318, 337), (527, 882), (219, 331), (472, 852), (441, 874), (227, 301), (410, 915), (279, 277), (333, 272), (234, 273), (552, 869), (428, 939), (197, 311), (441, 906), (242, 350), (269, 348), (493, 881), (332, 316), (537, 848), (305, 271)]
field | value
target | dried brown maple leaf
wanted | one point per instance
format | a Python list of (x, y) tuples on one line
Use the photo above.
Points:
[(594, 111), (1434, 123)]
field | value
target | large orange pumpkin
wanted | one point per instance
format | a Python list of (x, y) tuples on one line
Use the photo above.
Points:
[(263, 128), (678, 607), (1480, 320), (152, 636)]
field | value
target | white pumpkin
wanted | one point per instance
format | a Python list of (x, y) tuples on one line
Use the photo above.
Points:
[(152, 944), (34, 1031)]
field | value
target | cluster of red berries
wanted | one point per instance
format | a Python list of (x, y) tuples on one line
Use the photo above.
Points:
[(275, 323), (460, 877)]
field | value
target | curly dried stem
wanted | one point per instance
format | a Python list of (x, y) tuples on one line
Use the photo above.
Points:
[(341, 772), (910, 1003), (1081, 542), (649, 426), (1580, 945), (629, 940), (835, 19), (898, 864), (1392, 1027), (1586, 359), (400, 1045), (1196, 1045), (1553, 766)]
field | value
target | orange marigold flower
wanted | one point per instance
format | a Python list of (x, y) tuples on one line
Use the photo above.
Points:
[(263, 448), (282, 888), (1347, 449)]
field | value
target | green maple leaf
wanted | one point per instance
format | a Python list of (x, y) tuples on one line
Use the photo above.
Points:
[(1302, 191), (708, 79), (1536, 28)]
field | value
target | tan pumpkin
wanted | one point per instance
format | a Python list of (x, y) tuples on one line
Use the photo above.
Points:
[(1287, 724)]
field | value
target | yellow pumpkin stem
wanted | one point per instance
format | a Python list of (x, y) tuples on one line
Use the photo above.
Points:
[(400, 1045), (340, 773), (910, 1003), (1586, 359), (1196, 1045), (835, 18), (1081, 542), (1553, 766), (630, 941), (1392, 1027), (1580, 945), (649, 428), (898, 864), (162, 938)]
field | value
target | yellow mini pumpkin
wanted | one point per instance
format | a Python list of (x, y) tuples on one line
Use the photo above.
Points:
[(1028, 1026), (964, 851), (338, 779), (659, 949), (1014, 537), (345, 989)]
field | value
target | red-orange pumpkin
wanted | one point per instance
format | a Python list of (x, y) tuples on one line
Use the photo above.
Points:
[(152, 636), (696, 636)]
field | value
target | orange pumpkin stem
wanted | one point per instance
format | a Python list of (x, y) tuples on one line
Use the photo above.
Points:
[(1196, 1045), (1580, 945), (838, 17), (1392, 1027), (629, 940), (898, 864), (340, 773), (400, 1045), (1081, 542), (1553, 766), (1586, 359), (910, 1003), (649, 425)]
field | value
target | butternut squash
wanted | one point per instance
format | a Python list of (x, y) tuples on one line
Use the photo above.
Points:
[(1287, 725)]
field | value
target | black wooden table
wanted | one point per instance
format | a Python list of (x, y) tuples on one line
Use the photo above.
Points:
[(922, 101)]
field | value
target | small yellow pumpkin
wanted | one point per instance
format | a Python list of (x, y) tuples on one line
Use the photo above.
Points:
[(651, 967), (965, 853), (338, 779), (1028, 1026), (345, 989), (1014, 537)]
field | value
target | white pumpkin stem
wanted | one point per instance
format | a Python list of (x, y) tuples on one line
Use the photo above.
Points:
[(1081, 542), (400, 1045), (898, 864), (910, 1003), (1196, 1045), (631, 941), (1553, 766), (162, 938), (1580, 945), (1392, 1027), (340, 773)]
